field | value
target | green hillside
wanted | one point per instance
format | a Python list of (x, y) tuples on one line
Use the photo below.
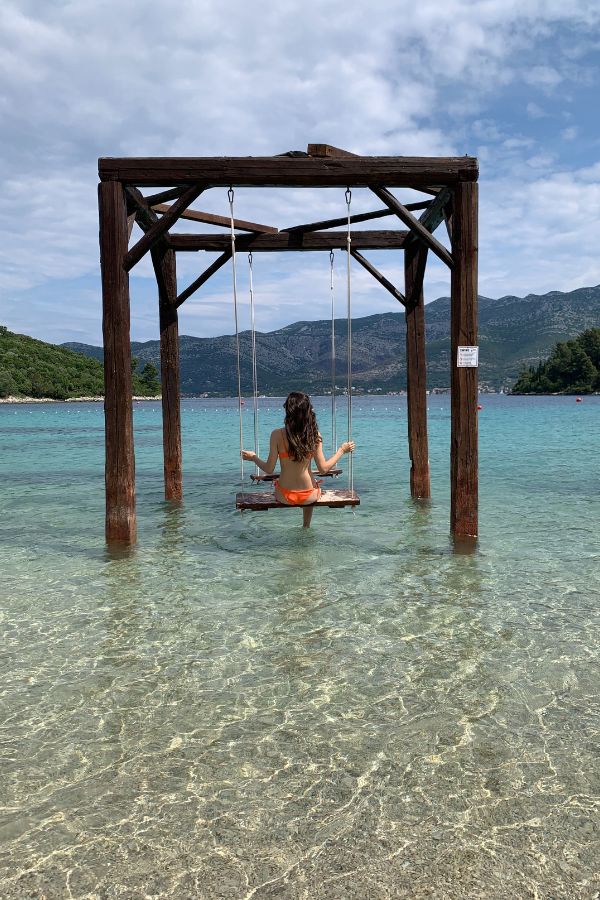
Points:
[(32, 368), (573, 367), (513, 332)]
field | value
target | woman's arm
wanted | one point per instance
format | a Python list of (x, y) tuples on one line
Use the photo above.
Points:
[(324, 465), (269, 465)]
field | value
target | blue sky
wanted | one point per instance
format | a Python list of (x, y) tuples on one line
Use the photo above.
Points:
[(514, 83)]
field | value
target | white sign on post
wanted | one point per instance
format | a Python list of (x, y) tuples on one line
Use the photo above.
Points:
[(467, 357)]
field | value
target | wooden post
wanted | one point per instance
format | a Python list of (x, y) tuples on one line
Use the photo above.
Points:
[(118, 413), (415, 257), (164, 264), (463, 331)]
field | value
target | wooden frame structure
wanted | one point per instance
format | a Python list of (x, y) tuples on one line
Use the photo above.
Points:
[(450, 186)]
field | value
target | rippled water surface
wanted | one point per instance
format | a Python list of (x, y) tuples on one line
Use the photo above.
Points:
[(239, 708)]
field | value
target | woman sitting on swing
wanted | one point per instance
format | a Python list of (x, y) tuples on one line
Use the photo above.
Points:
[(296, 444)]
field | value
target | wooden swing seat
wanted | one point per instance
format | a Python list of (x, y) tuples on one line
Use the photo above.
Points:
[(266, 500), (333, 473)]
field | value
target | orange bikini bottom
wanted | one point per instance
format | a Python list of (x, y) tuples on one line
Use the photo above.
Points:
[(298, 498)]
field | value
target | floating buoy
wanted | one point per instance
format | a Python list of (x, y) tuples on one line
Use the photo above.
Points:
[(578, 400), (479, 407)]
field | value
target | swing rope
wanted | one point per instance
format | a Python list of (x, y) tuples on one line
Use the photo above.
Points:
[(348, 197), (333, 386), (230, 196), (254, 366)]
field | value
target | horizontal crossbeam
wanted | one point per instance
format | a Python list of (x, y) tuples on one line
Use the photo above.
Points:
[(196, 215), (357, 217), (278, 171), (313, 240)]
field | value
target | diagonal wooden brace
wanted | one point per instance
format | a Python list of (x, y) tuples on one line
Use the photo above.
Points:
[(414, 224), (161, 226), (193, 287), (378, 276)]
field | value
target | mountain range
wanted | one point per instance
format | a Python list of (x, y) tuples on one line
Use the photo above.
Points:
[(513, 332)]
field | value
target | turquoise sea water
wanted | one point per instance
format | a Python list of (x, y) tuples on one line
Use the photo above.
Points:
[(238, 708)]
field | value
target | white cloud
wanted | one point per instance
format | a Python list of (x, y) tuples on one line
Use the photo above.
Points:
[(196, 77)]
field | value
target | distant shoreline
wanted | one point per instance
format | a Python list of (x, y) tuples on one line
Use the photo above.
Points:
[(67, 400)]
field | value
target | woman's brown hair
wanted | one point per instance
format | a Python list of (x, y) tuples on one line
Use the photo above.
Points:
[(300, 426)]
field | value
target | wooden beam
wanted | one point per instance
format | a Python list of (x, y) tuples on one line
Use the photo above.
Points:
[(463, 332), (414, 278), (358, 217), (281, 171), (325, 150), (414, 224), (378, 276), (118, 414), (165, 196), (415, 257), (208, 272), (160, 227), (314, 240), (435, 212), (146, 217), (164, 262), (195, 215)]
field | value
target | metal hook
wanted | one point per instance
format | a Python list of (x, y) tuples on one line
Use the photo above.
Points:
[(230, 195), (348, 196)]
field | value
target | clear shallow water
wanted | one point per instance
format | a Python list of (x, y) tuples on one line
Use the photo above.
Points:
[(241, 709)]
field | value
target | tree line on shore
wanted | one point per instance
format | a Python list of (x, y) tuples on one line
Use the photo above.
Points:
[(32, 368), (573, 367)]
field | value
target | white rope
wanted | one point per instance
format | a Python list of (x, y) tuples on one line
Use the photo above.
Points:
[(254, 367), (230, 196), (349, 312), (333, 386)]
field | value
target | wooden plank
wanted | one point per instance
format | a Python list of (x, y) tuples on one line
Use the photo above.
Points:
[(414, 281), (145, 216), (436, 210), (332, 473), (262, 500), (282, 171), (164, 262), (415, 257), (314, 240), (160, 227), (328, 150), (165, 196), (377, 275), (463, 332), (195, 215), (208, 272), (118, 415), (414, 224), (358, 217)]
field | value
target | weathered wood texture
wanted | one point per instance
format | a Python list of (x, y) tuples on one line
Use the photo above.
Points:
[(416, 227), (160, 227), (358, 217), (164, 261), (201, 279), (312, 240), (416, 372), (197, 215), (377, 275), (463, 332), (266, 500), (328, 150), (333, 473), (277, 171), (118, 415)]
